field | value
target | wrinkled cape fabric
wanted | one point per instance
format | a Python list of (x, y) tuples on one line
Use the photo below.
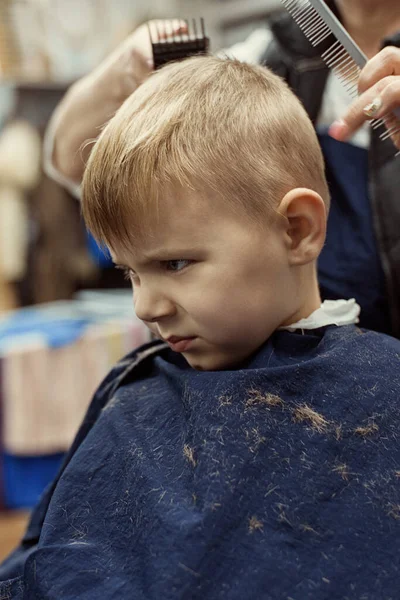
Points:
[(279, 480)]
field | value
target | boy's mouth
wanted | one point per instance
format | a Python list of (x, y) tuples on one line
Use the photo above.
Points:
[(179, 344)]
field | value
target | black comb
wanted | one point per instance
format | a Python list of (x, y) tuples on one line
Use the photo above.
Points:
[(169, 46)]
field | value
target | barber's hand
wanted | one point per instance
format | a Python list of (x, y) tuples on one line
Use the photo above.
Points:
[(379, 87), (95, 98)]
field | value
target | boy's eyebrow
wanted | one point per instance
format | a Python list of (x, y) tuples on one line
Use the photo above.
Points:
[(163, 253), (159, 254)]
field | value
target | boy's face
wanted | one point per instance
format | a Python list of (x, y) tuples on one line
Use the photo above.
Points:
[(210, 283)]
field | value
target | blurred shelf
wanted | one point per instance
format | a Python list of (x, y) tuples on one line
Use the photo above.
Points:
[(37, 85), (230, 12), (36, 100)]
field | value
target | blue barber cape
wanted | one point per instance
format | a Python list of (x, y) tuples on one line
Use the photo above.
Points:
[(279, 480)]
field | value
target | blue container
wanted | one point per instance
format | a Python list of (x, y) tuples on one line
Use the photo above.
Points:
[(25, 478)]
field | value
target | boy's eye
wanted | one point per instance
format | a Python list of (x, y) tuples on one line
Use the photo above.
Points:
[(176, 265)]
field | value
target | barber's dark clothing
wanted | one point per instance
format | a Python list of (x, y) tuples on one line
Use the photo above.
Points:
[(349, 263)]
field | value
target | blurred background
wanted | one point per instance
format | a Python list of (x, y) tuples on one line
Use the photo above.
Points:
[(64, 317)]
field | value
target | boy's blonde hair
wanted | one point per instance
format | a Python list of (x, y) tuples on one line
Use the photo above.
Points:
[(217, 126)]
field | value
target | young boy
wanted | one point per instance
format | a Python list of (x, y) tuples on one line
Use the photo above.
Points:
[(256, 453)]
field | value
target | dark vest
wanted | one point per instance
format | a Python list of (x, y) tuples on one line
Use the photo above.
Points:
[(292, 57)]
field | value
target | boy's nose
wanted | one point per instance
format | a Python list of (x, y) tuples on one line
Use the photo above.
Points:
[(151, 306)]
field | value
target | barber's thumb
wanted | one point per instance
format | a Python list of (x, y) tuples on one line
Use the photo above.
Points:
[(339, 130)]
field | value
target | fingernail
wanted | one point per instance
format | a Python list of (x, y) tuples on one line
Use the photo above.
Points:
[(338, 130), (372, 108)]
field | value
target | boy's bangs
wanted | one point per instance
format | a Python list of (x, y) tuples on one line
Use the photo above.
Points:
[(121, 203)]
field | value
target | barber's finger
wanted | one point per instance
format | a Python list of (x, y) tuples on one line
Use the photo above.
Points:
[(383, 64), (162, 29), (377, 101), (387, 102)]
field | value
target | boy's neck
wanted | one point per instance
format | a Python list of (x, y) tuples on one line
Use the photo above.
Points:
[(311, 302), (369, 22)]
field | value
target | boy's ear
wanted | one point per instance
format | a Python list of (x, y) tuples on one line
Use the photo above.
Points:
[(305, 214)]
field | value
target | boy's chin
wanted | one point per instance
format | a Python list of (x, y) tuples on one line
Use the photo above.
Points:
[(213, 361)]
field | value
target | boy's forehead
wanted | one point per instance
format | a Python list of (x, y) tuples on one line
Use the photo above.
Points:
[(178, 210), (179, 220), (183, 220)]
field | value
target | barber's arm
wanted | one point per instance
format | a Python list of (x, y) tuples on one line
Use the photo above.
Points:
[(379, 88)]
